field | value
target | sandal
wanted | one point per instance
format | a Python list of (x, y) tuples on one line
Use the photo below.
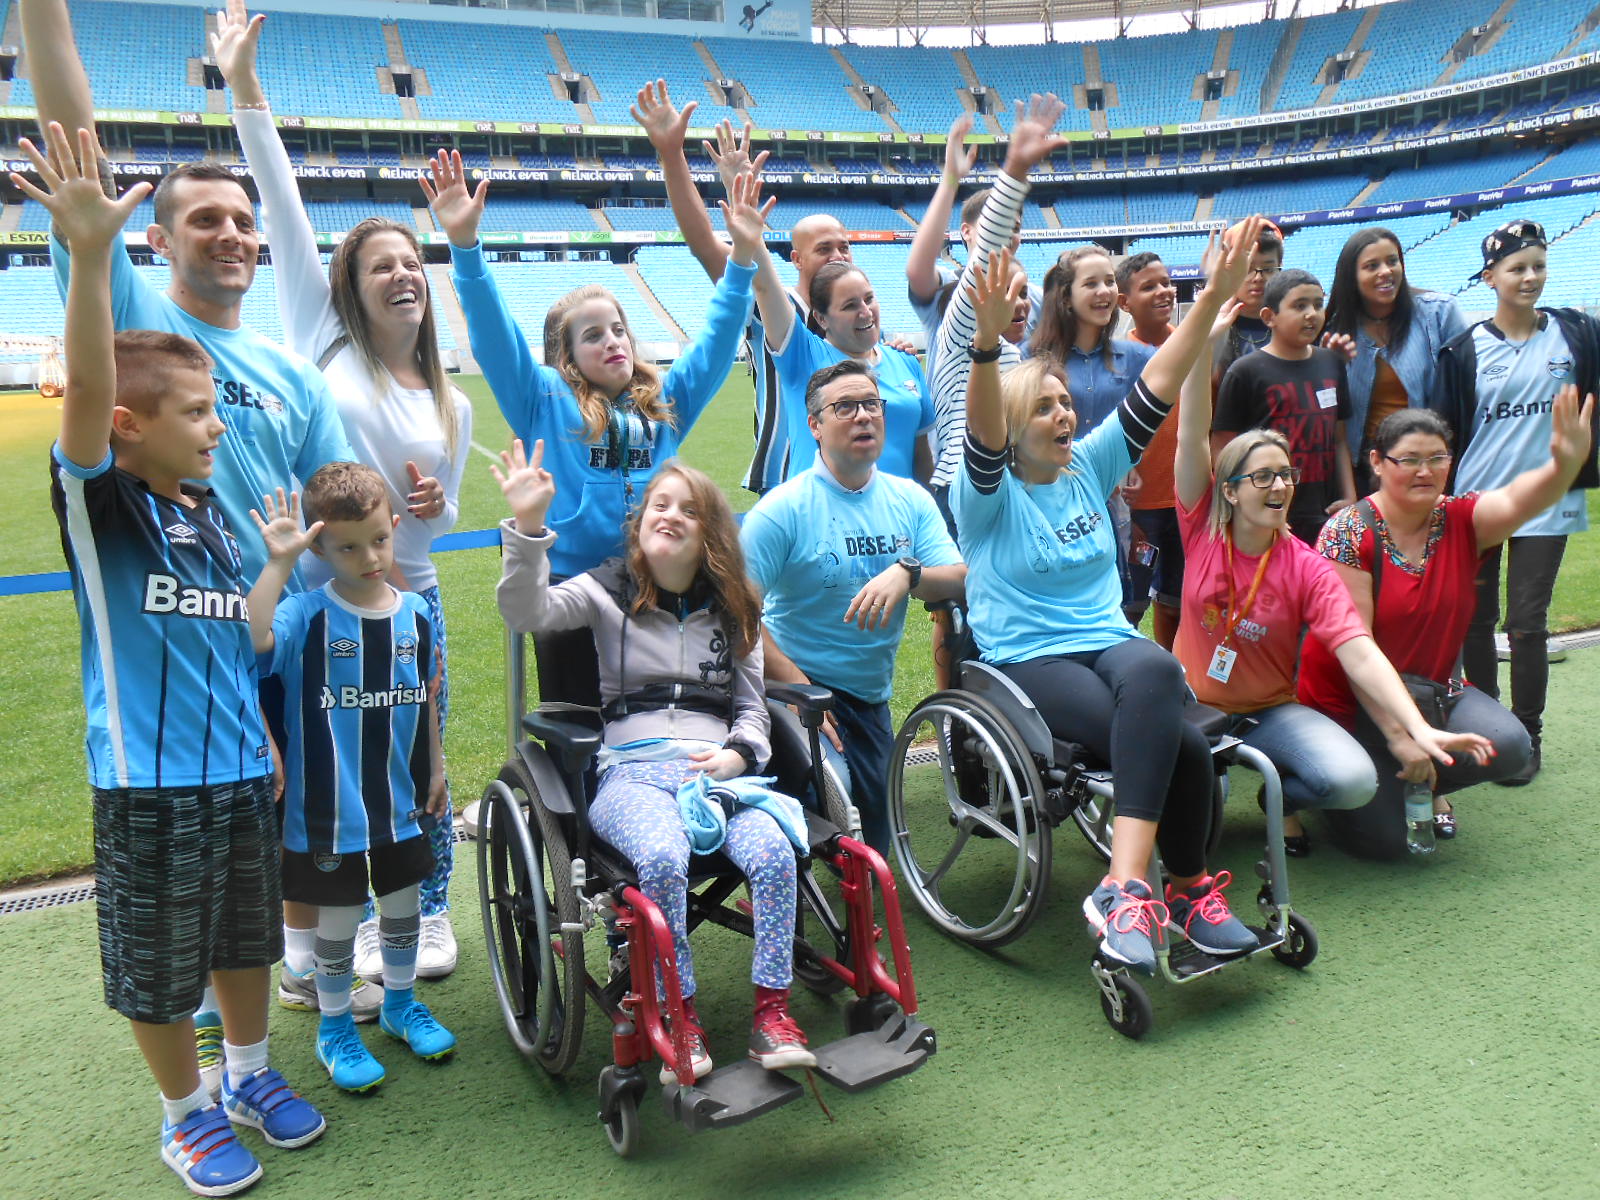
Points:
[(1444, 824)]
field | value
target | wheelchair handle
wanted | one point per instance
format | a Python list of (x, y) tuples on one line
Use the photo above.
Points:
[(810, 701)]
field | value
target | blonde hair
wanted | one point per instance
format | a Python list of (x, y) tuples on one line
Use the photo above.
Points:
[(644, 388), (1229, 463), (1019, 392), (344, 287)]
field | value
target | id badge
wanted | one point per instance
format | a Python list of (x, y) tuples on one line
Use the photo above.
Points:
[(1222, 664), (1327, 397)]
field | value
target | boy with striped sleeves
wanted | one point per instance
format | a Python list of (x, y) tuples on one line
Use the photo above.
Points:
[(185, 826), (363, 758)]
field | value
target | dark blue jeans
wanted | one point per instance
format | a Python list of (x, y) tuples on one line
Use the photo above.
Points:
[(868, 738)]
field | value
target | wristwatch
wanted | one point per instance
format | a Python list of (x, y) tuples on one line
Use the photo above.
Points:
[(913, 568)]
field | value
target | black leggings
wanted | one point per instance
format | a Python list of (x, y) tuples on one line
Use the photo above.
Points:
[(1125, 705)]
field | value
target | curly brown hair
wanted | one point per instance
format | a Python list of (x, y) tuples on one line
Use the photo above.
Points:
[(722, 562), (644, 389)]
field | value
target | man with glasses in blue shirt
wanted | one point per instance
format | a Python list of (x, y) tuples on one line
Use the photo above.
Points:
[(837, 550)]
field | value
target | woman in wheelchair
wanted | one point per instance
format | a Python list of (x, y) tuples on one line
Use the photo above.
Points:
[(1250, 593), (676, 626), (1046, 608)]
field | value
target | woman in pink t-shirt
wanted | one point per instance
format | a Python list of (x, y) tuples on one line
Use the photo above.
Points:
[(1250, 593), (1432, 544)]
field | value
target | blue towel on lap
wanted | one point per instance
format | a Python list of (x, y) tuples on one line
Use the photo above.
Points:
[(706, 804)]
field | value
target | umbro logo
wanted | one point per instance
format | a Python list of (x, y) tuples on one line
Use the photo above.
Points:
[(1495, 371), (180, 534), (343, 648)]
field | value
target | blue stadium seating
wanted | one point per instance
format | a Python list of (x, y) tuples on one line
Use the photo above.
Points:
[(471, 67), (614, 64), (802, 88), (1320, 39), (922, 82), (1474, 172), (1536, 30)]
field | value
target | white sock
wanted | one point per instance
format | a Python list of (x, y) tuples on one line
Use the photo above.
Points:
[(208, 1003), (176, 1110), (299, 949), (243, 1061)]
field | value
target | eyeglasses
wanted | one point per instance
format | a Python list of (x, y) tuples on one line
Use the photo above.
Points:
[(1263, 272), (1263, 477), (846, 410), (1412, 462)]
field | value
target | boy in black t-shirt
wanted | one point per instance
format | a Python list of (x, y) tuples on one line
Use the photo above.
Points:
[(1298, 388)]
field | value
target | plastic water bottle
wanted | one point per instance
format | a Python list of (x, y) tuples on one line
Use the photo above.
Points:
[(1419, 818)]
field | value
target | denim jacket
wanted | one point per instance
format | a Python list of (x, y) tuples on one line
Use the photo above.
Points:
[(1435, 319)]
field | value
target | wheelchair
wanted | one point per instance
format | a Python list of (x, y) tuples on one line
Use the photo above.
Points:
[(977, 785), (545, 882)]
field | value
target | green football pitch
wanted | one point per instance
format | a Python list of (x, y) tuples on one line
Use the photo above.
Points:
[(1445, 1042)]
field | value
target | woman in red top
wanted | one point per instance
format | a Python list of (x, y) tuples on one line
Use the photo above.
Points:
[(1432, 544), (1250, 594)]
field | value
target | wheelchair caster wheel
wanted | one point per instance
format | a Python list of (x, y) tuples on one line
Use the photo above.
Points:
[(1299, 947), (1125, 1003), (619, 1113)]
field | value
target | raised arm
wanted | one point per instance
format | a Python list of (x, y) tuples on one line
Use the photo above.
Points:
[(993, 294), (91, 221), (55, 71), (922, 264), (667, 126), (1501, 512), (286, 542), (305, 304), (1191, 471)]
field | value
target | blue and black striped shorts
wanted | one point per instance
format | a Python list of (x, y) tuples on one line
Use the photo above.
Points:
[(187, 883)]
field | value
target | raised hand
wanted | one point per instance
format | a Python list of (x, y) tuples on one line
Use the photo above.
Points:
[(280, 528), (234, 46), (457, 210), (426, 498), (996, 291), (85, 216), (664, 124), (746, 215), (526, 485), (1226, 315), (1340, 343), (1232, 263), (959, 158), (1569, 427), (732, 153), (1031, 138)]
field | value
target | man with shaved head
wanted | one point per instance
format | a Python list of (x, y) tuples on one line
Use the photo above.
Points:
[(815, 241)]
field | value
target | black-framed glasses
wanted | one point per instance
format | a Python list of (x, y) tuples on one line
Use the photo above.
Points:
[(1264, 272), (1264, 477), (846, 410), (1413, 462)]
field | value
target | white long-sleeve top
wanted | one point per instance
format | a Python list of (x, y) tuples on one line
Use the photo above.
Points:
[(387, 425)]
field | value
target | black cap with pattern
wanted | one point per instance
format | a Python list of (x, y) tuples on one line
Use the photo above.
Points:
[(1508, 239)]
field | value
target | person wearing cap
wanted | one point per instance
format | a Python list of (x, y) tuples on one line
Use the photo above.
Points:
[(1250, 333), (1496, 385)]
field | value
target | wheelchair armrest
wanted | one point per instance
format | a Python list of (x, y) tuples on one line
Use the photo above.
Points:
[(573, 743), (812, 702)]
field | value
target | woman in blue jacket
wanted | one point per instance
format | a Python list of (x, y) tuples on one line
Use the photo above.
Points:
[(607, 418)]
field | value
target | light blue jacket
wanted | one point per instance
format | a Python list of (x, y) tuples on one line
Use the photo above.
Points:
[(705, 808), (1435, 319)]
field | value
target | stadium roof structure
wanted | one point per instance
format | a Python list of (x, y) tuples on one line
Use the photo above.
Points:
[(915, 15)]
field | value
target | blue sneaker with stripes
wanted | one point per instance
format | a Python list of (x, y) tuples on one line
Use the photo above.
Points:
[(207, 1156), (265, 1101)]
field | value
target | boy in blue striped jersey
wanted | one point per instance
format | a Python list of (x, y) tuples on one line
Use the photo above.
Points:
[(363, 758), (185, 826)]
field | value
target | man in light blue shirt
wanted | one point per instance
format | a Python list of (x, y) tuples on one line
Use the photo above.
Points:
[(837, 550)]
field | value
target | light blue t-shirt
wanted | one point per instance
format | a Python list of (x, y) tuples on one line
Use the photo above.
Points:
[(281, 420), (1042, 558), (810, 546), (1516, 388), (907, 404)]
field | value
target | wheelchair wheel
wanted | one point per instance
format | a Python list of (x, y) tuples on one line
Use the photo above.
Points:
[(1093, 818), (1126, 1006), (620, 1115), (964, 797), (1300, 947), (537, 979)]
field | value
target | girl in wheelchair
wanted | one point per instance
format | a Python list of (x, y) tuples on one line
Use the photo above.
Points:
[(1250, 593), (676, 626), (1046, 608)]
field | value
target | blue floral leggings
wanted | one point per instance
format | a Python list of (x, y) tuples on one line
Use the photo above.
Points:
[(636, 811)]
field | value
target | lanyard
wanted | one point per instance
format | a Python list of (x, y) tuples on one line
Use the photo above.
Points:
[(1236, 613)]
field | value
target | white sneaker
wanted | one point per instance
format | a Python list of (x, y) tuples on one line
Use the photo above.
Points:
[(436, 949), (369, 952), (469, 819)]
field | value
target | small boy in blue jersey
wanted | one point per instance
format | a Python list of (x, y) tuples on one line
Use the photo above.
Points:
[(185, 828), (363, 757)]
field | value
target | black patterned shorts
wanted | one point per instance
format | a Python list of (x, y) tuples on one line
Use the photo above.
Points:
[(187, 883)]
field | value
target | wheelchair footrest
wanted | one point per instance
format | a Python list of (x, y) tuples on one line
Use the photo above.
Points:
[(1187, 961), (865, 1060), (730, 1095)]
